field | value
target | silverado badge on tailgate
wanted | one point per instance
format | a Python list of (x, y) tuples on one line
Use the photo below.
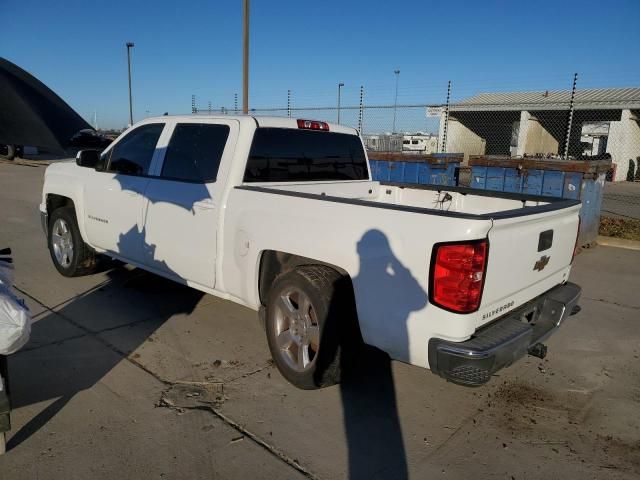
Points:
[(540, 264)]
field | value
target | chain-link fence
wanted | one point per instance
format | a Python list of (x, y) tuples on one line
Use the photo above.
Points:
[(517, 137)]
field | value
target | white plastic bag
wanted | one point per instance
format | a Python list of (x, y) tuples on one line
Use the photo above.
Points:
[(15, 321)]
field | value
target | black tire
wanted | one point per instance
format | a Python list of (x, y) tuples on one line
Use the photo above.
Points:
[(331, 297), (83, 259), (7, 152)]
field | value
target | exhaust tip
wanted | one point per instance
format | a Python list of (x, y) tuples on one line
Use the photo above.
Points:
[(538, 350)]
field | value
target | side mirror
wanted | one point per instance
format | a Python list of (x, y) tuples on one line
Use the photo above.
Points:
[(88, 158)]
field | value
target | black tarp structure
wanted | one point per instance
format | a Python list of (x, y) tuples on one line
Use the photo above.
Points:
[(32, 114)]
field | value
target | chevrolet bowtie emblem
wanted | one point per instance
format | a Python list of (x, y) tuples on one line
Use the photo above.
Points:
[(540, 264)]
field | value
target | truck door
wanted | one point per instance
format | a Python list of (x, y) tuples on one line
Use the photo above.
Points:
[(184, 199), (113, 195)]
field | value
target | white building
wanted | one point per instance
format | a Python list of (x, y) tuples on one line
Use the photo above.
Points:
[(535, 123), (425, 143)]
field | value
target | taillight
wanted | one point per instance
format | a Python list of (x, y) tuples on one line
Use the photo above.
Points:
[(457, 275), (576, 247), (313, 125)]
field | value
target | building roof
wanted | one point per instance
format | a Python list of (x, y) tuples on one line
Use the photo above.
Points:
[(587, 99)]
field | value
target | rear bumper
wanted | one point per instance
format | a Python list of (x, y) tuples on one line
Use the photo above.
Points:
[(504, 341)]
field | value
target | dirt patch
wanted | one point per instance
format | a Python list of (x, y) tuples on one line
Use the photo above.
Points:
[(529, 405), (558, 421), (626, 228), (190, 395)]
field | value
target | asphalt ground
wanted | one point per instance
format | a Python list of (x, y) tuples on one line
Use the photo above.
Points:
[(621, 200), (131, 376)]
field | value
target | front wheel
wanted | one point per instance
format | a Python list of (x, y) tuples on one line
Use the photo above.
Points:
[(308, 312), (71, 256)]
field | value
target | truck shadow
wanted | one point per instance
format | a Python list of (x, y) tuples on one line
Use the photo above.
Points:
[(128, 308), (370, 412)]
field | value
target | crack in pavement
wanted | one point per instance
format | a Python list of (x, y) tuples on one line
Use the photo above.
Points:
[(293, 463), (612, 303)]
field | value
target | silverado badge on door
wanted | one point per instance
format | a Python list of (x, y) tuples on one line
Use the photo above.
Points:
[(540, 264)]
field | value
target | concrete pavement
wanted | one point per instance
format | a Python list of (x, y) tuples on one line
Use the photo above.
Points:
[(130, 375)]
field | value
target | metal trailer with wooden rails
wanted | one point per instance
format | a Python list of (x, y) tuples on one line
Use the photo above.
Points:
[(416, 169), (571, 179)]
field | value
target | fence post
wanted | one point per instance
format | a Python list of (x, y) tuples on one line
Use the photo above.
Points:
[(570, 119), (193, 104), (443, 148), (289, 103), (361, 111)]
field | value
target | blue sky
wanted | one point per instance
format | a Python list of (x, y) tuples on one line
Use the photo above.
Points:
[(194, 47)]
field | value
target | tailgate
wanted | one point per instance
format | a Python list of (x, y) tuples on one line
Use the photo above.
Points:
[(528, 255)]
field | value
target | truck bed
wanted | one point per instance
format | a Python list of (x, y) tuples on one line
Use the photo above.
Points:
[(458, 202), (331, 220)]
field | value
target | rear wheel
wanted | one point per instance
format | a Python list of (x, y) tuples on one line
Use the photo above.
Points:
[(307, 311), (71, 256), (7, 152)]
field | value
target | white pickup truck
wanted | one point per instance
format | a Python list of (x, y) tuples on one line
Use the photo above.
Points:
[(281, 215)]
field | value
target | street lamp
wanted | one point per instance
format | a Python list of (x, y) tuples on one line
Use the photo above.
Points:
[(129, 47), (340, 85), (245, 57), (395, 103)]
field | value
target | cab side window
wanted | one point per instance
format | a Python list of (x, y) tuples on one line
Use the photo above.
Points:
[(194, 152), (132, 155)]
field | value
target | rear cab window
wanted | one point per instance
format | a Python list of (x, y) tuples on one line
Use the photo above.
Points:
[(286, 155), (194, 152)]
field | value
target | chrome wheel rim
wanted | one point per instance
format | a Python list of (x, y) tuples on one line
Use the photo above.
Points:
[(62, 243), (297, 331)]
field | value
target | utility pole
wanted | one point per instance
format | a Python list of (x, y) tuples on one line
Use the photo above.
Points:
[(565, 156), (129, 47), (361, 111), (395, 103), (245, 59), (445, 127), (340, 85)]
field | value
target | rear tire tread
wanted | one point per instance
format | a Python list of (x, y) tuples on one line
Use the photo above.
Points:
[(337, 300)]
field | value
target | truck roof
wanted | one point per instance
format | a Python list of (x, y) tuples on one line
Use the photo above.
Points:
[(259, 120)]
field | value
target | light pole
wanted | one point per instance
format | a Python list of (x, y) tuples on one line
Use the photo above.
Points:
[(129, 47), (395, 103), (245, 58), (340, 85)]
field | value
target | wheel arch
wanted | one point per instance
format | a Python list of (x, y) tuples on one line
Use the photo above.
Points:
[(55, 201), (59, 200), (274, 263)]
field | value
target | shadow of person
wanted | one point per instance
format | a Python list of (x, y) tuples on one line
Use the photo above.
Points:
[(386, 294), (130, 306)]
